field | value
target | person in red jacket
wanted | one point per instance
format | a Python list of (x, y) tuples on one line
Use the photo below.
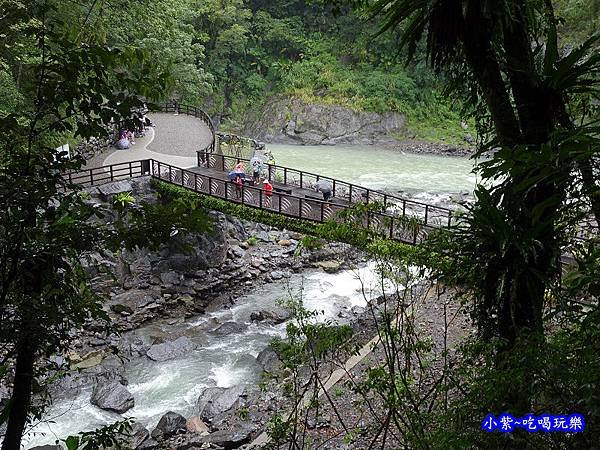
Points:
[(268, 188)]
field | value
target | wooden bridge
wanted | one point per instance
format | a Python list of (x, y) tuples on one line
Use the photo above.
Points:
[(293, 194)]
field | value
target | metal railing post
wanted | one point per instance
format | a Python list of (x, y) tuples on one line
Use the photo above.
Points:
[(130, 170), (322, 211), (91, 177), (392, 228), (300, 206), (426, 213), (301, 173), (260, 198), (285, 175), (112, 177)]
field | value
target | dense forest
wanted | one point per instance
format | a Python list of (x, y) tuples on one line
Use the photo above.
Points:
[(492, 319), (231, 56)]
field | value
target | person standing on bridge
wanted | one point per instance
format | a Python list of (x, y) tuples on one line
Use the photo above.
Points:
[(324, 186)]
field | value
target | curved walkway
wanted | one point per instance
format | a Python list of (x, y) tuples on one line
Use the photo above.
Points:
[(173, 140)]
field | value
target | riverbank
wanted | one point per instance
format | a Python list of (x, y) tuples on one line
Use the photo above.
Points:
[(152, 297)]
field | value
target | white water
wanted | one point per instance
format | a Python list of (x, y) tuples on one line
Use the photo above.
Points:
[(218, 361), (378, 168)]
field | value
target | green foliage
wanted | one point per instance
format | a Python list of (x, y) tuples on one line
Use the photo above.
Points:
[(109, 436)]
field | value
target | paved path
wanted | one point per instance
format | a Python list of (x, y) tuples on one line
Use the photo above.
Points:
[(174, 140)]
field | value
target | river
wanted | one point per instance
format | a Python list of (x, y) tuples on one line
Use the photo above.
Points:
[(380, 168), (175, 385)]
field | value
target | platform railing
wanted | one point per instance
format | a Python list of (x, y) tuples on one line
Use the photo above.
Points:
[(310, 209), (431, 215)]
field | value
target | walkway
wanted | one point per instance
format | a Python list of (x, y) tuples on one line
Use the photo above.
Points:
[(175, 139)]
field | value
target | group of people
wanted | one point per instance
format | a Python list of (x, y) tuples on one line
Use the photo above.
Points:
[(126, 137), (238, 177)]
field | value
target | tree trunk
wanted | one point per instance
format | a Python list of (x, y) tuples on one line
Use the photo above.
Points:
[(20, 400)]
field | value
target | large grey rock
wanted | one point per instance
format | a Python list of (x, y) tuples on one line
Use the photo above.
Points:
[(269, 360), (227, 439), (112, 396), (217, 400), (168, 425), (274, 317), (171, 349), (230, 328)]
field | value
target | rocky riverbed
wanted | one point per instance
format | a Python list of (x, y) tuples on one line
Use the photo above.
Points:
[(152, 297)]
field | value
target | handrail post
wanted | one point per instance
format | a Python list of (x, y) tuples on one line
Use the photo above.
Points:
[(226, 189), (301, 173), (391, 228), (322, 211), (403, 208), (91, 177), (449, 219), (279, 206), (170, 175), (112, 177), (260, 198), (285, 175), (350, 194), (242, 191), (130, 170), (209, 185), (333, 187), (426, 213), (181, 171)]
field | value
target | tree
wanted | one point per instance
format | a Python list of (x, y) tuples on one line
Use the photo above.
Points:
[(506, 56), (69, 83)]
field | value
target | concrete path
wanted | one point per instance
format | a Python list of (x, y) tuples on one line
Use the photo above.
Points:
[(174, 140)]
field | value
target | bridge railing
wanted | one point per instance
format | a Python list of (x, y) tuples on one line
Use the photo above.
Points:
[(255, 197), (107, 174), (430, 215)]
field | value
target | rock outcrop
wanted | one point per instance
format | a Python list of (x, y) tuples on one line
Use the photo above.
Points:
[(289, 120)]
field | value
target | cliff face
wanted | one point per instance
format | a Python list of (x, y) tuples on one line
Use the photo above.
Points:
[(290, 121)]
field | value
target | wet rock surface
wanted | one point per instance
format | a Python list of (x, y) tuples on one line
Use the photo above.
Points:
[(112, 396), (170, 350), (168, 425)]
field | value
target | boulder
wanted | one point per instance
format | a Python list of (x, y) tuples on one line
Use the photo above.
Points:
[(112, 396), (168, 425), (137, 435), (229, 328), (276, 275), (269, 360), (269, 316), (195, 425), (217, 400), (227, 439), (329, 266), (171, 349)]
